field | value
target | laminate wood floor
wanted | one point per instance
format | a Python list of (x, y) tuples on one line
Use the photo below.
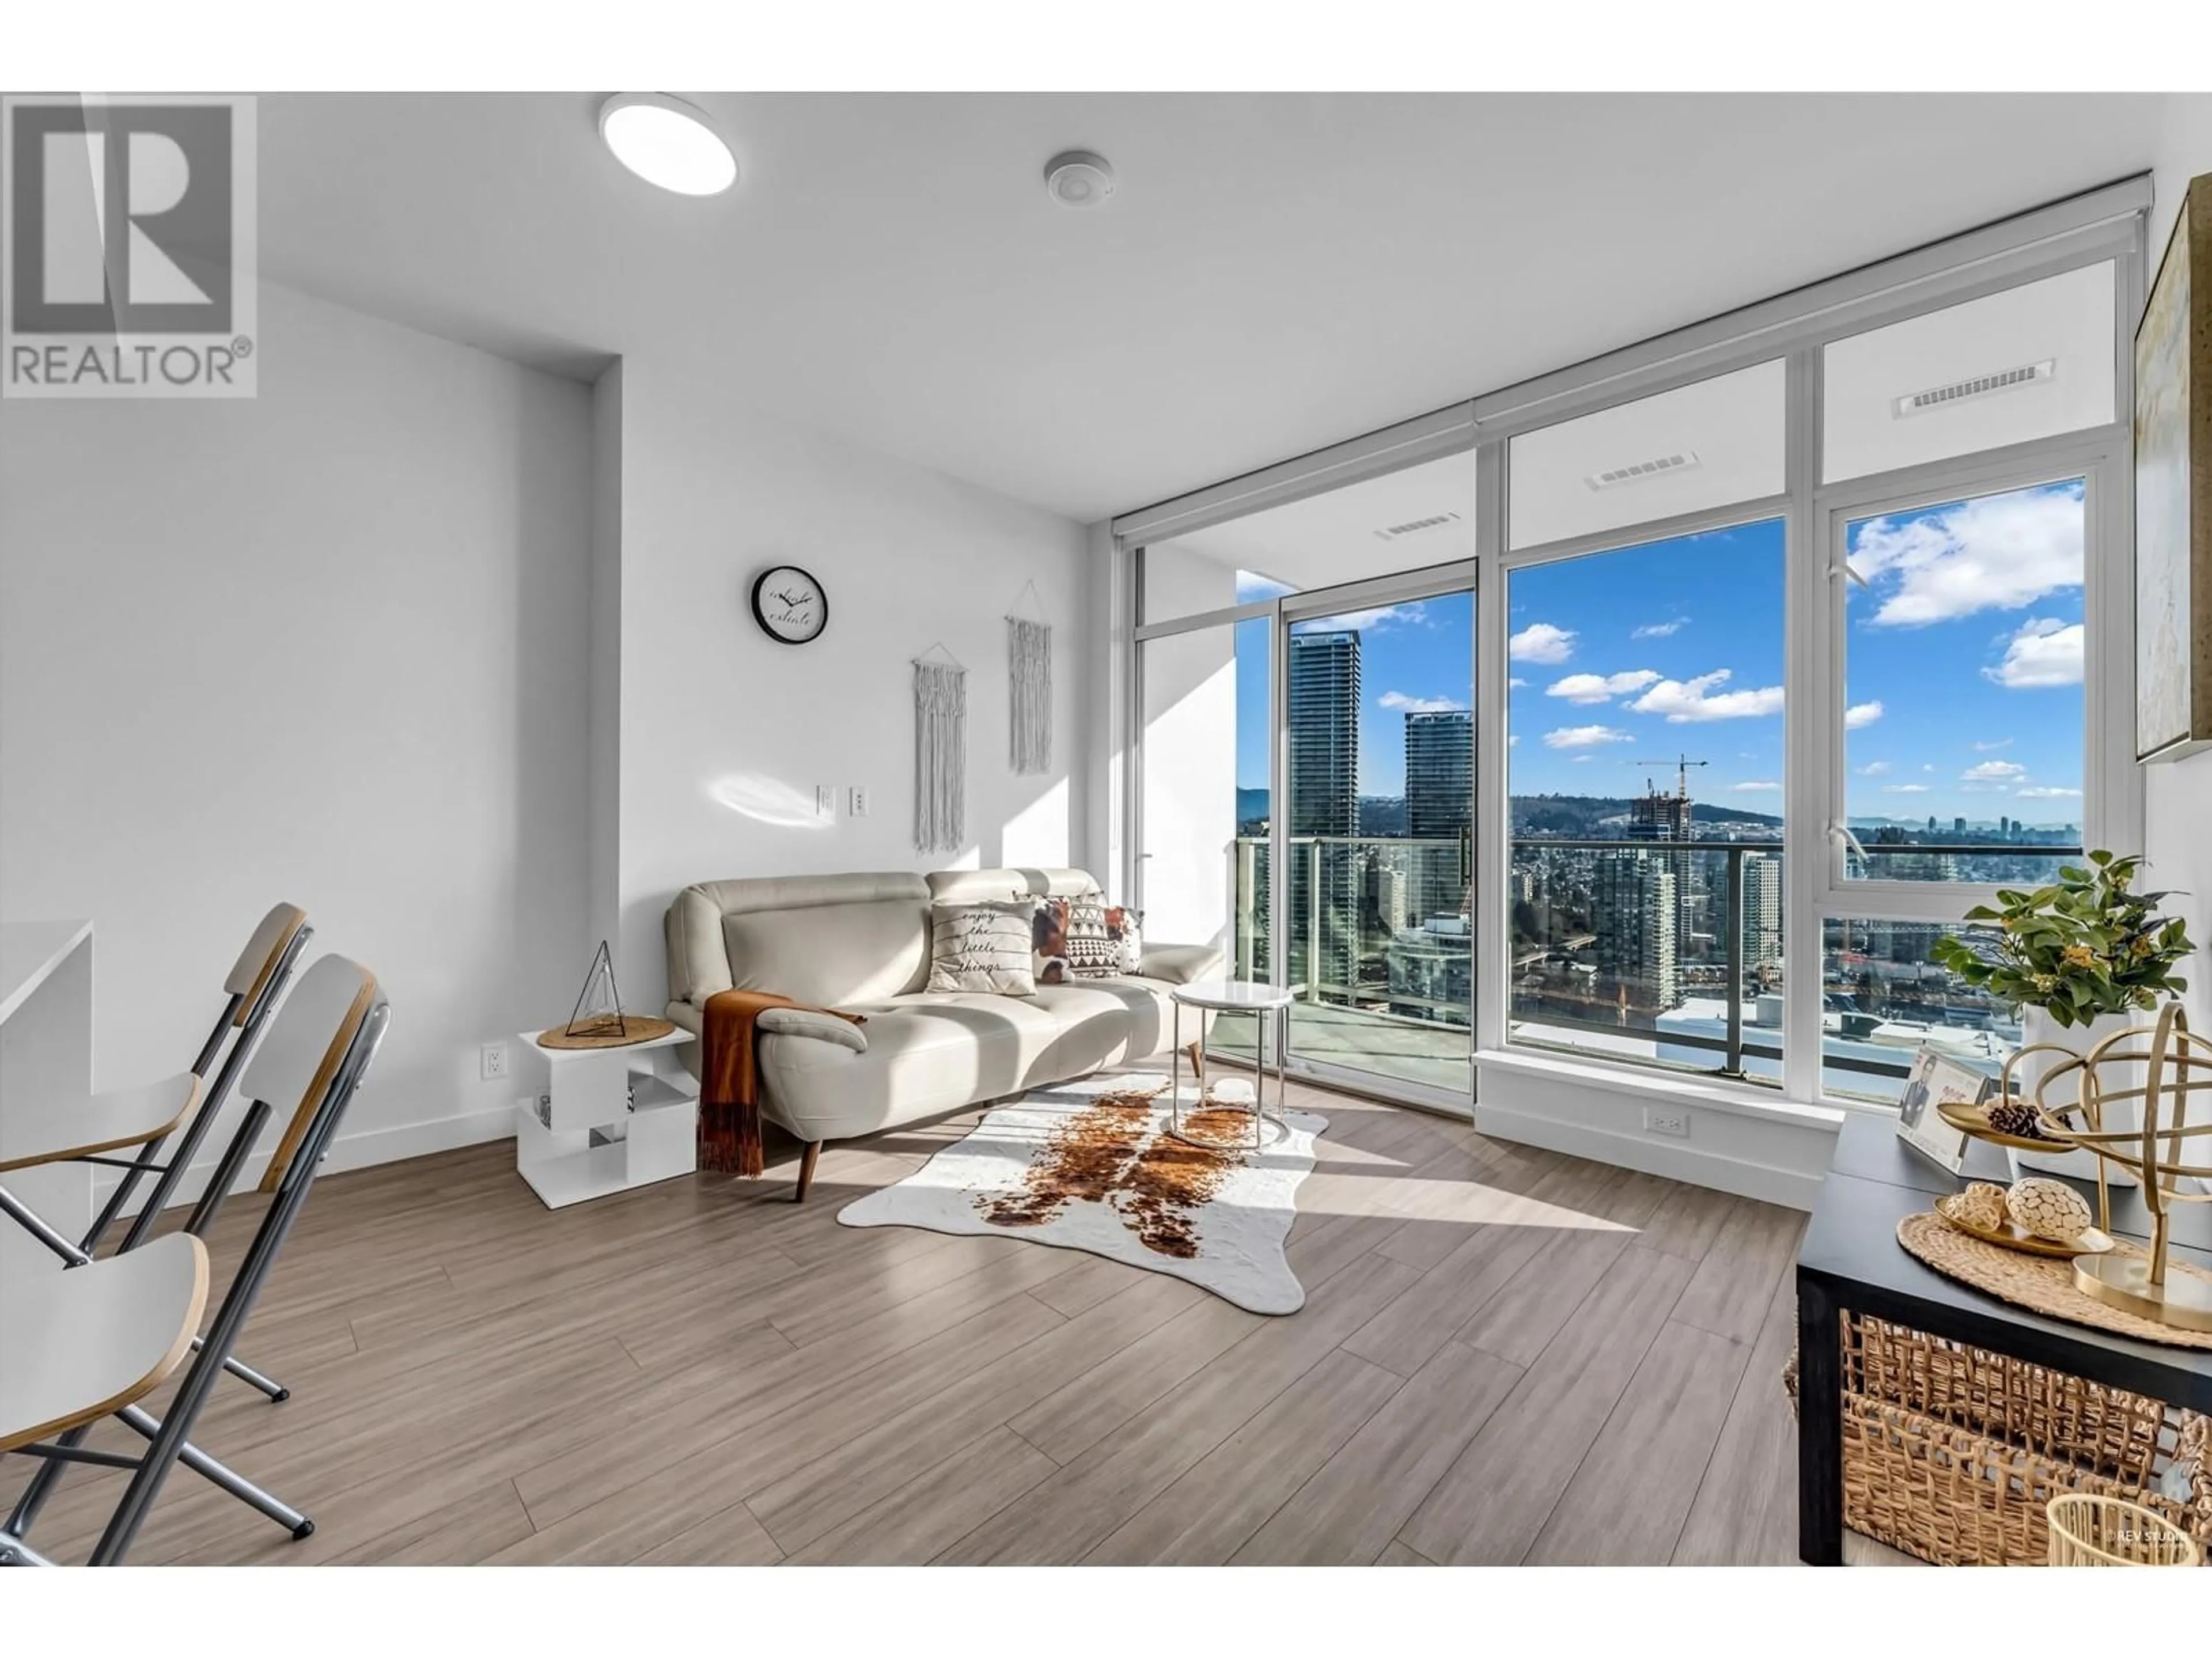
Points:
[(1505, 1356)]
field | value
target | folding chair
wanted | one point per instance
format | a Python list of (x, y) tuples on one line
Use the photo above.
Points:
[(149, 1118), (82, 1344), (317, 1049)]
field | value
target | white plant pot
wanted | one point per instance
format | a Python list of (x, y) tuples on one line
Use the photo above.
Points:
[(2038, 1026)]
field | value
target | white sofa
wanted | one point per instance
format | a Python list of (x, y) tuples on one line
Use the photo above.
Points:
[(861, 943)]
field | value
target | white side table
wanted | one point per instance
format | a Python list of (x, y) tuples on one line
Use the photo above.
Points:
[(1269, 1004), (612, 1119)]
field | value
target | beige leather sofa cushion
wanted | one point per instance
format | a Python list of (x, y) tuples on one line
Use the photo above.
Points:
[(1182, 965), (968, 886), (833, 954), (883, 951)]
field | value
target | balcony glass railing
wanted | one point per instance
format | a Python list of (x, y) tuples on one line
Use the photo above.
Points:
[(1657, 953)]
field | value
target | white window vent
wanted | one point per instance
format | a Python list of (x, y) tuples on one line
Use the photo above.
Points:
[(1981, 385), (1679, 461), (1415, 526)]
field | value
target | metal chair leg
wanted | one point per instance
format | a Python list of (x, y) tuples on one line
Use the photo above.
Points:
[(14, 1553)]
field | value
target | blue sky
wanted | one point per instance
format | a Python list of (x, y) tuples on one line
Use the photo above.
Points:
[(1963, 674)]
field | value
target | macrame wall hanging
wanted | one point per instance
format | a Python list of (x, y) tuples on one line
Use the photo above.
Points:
[(1029, 675), (940, 753)]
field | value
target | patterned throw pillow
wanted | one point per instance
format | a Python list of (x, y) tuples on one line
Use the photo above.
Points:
[(1073, 940), (1125, 928), (982, 947)]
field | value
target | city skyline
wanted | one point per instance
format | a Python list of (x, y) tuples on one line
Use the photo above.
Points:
[(1962, 678)]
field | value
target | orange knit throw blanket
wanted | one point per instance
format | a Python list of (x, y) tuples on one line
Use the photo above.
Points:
[(729, 1079)]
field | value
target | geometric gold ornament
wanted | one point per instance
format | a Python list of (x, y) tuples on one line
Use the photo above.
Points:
[(2176, 1064)]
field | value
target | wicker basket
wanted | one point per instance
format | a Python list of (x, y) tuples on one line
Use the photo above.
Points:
[(2087, 1531), (1951, 1453)]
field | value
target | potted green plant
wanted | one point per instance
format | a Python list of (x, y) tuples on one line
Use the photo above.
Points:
[(2084, 957)]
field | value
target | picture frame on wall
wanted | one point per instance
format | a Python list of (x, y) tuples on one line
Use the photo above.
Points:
[(1937, 1078), (2173, 491)]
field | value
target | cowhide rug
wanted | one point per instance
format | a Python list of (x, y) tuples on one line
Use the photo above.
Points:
[(1089, 1165)]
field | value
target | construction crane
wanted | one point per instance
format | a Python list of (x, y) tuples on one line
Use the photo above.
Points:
[(1669, 820), (1681, 763)]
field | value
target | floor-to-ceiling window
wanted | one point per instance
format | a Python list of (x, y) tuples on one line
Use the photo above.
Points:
[(1306, 744), (1789, 663), (1645, 754)]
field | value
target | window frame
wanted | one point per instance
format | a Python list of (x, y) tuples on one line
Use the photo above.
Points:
[(2108, 223), (1940, 901)]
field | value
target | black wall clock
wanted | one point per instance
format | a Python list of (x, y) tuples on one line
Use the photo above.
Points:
[(790, 605)]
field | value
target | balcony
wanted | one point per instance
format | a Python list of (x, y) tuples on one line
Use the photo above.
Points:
[(1659, 954)]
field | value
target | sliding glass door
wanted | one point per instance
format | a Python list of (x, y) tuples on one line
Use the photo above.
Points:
[(1376, 838)]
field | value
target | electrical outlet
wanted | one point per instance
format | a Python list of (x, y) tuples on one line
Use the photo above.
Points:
[(856, 800), (493, 1058), (1665, 1121), (825, 801)]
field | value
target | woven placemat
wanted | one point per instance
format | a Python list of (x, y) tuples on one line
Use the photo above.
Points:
[(638, 1028), (2040, 1283)]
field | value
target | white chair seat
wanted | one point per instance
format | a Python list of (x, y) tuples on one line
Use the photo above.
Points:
[(78, 1344), (39, 1132)]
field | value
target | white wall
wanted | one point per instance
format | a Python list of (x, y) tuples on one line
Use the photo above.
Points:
[(2177, 804), (725, 734), (328, 646)]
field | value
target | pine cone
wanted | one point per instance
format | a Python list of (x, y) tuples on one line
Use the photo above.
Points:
[(2016, 1117)]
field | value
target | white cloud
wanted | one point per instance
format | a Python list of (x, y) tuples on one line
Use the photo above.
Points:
[(1862, 714), (1601, 687), (2045, 792), (1993, 553), (1582, 737), (1377, 620), (1514, 684), (1929, 767), (2044, 653), (1764, 785), (1905, 789), (1417, 705), (1876, 769), (1681, 700), (1513, 741), (1541, 642), (1993, 772), (1584, 760), (1660, 630), (1991, 748)]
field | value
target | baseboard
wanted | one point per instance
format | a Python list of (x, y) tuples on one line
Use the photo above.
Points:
[(1700, 1167), (354, 1152)]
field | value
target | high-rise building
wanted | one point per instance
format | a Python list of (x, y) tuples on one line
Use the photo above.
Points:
[(1323, 899), (1762, 911), (1656, 816), (1439, 808), (1959, 827), (1635, 907)]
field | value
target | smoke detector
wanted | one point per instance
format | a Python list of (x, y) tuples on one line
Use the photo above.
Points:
[(1981, 385), (1077, 178), (1676, 462)]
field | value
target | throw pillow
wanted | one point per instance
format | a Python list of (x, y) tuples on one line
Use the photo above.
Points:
[(982, 947), (1125, 928), (1071, 942)]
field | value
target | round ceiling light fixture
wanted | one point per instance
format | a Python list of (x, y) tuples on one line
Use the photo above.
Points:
[(1077, 178), (668, 143)]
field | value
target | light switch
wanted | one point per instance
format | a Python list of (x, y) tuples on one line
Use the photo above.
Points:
[(856, 801)]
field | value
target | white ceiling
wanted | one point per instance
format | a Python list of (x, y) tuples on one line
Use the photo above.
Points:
[(1278, 272), (1321, 540)]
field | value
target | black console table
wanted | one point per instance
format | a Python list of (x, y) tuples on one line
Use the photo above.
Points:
[(1851, 1261)]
